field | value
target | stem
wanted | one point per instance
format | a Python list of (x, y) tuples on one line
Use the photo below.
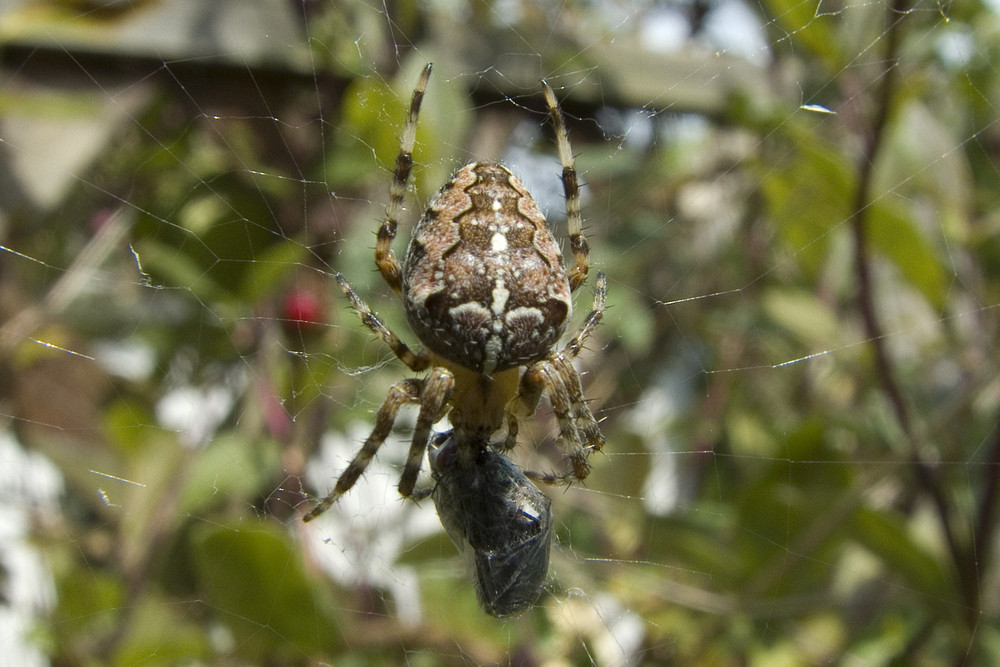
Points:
[(986, 514), (925, 473)]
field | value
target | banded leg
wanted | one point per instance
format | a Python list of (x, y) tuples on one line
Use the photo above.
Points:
[(524, 404), (579, 433), (385, 260), (415, 361), (432, 394), (433, 404), (571, 188), (530, 390), (401, 393), (573, 346)]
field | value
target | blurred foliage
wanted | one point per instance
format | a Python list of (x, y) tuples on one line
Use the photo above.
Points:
[(788, 478)]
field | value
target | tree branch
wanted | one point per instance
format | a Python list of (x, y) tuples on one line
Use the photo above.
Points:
[(986, 512), (925, 473)]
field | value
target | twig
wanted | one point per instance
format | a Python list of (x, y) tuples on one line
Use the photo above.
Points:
[(925, 473), (986, 512), (78, 277)]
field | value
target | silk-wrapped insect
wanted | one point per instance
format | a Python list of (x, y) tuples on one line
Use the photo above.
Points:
[(498, 520)]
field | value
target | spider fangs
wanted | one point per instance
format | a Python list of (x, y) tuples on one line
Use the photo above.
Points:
[(484, 289)]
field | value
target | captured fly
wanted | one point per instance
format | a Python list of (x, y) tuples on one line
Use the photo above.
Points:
[(497, 518)]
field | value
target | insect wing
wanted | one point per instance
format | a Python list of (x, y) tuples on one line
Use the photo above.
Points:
[(511, 545), (499, 521)]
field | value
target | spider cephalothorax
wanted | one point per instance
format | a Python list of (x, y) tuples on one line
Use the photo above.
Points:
[(485, 291)]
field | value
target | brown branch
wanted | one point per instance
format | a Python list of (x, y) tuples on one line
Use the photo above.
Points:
[(925, 473), (986, 513)]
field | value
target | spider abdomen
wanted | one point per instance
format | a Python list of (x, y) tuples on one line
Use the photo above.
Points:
[(483, 281)]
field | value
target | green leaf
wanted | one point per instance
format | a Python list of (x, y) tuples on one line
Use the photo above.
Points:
[(804, 315), (809, 199), (893, 233), (809, 202), (250, 574), (885, 534), (807, 25), (229, 469), (270, 267), (161, 633), (372, 120)]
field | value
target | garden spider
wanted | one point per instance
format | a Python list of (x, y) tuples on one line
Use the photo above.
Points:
[(484, 289)]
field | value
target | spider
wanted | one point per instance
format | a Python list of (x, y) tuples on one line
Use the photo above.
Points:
[(484, 289)]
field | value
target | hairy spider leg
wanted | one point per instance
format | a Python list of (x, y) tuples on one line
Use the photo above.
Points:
[(433, 404), (385, 259), (415, 361), (401, 393), (571, 188), (432, 395), (579, 433)]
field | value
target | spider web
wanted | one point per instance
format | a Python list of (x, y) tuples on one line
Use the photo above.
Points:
[(794, 203)]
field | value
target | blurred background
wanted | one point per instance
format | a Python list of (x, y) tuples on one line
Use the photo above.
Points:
[(796, 205)]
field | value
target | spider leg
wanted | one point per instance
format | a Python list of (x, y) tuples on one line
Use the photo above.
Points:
[(576, 343), (524, 404), (415, 361), (579, 432), (385, 260), (571, 188), (401, 393), (433, 404)]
